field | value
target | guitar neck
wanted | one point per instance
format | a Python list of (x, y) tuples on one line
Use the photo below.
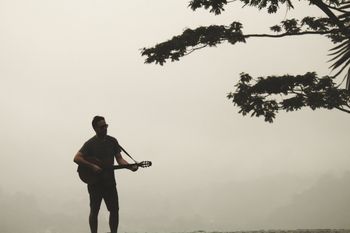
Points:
[(116, 167), (141, 164), (88, 176)]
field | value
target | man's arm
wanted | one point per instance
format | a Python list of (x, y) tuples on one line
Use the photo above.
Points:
[(122, 161), (79, 159)]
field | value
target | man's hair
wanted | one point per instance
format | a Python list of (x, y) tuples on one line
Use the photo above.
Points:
[(95, 120)]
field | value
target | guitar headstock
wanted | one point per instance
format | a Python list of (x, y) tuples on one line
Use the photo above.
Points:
[(144, 164)]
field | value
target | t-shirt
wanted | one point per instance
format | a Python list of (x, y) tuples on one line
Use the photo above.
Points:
[(104, 150)]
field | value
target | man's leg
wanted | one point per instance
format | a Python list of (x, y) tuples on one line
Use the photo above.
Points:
[(93, 222), (95, 203), (112, 203), (114, 221)]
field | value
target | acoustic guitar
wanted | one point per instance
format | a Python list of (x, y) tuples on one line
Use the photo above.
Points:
[(88, 176)]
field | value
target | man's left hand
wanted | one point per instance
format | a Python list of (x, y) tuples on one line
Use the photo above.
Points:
[(134, 168)]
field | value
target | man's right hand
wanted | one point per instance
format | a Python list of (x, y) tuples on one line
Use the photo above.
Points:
[(96, 168)]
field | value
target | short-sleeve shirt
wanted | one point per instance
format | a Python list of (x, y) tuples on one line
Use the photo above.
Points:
[(103, 150)]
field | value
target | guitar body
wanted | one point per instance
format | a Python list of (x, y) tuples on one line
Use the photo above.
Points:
[(88, 176)]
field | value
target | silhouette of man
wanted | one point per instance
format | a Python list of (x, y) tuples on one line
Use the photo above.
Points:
[(104, 148)]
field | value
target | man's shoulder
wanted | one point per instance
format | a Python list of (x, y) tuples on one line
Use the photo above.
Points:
[(88, 145), (95, 140), (91, 140), (112, 139)]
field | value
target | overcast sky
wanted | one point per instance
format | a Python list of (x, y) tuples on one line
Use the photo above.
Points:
[(62, 62)]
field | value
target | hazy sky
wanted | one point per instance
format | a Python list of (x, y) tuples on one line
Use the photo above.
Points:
[(62, 62)]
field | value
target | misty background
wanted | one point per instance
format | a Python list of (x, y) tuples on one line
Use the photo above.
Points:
[(62, 62)]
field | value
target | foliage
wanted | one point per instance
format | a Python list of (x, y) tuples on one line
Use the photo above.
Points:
[(266, 96), (335, 26)]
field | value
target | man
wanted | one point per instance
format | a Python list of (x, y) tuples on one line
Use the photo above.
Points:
[(103, 148)]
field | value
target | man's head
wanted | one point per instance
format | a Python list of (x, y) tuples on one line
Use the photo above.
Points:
[(100, 126)]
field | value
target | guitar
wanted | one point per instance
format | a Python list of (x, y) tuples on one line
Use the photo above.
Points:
[(88, 176)]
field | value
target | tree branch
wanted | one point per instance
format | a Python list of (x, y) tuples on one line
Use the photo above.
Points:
[(325, 8), (194, 49), (342, 109), (268, 36), (336, 9), (289, 34)]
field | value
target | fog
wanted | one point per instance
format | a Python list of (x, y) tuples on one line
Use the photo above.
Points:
[(62, 62)]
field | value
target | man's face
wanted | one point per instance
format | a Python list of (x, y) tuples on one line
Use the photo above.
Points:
[(101, 128)]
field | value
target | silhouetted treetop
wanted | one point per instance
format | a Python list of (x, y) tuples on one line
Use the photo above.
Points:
[(335, 25), (266, 96)]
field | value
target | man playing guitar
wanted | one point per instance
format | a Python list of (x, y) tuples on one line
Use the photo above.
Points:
[(96, 154)]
